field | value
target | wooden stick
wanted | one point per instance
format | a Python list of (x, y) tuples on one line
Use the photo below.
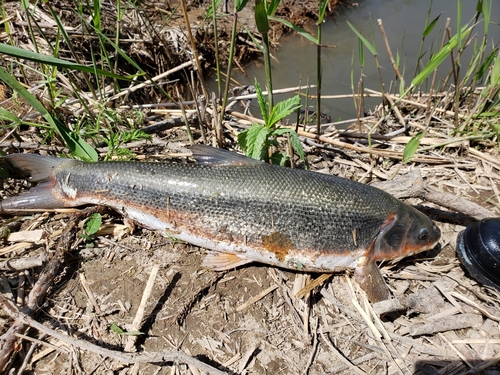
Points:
[(23, 263), (136, 324), (149, 81), (256, 298), (9, 340), (91, 296), (483, 366)]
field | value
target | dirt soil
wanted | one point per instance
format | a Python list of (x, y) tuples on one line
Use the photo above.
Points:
[(250, 320)]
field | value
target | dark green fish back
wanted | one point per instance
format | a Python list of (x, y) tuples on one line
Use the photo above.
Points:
[(315, 211)]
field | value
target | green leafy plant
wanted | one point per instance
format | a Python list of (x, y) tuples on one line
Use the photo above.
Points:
[(116, 141), (258, 140), (90, 228), (116, 329)]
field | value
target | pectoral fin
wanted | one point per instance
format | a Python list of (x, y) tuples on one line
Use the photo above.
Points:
[(223, 261), (369, 278)]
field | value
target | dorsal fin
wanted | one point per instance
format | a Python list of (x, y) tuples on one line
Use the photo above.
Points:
[(217, 156)]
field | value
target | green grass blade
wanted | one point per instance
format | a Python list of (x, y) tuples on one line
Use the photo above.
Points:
[(261, 19), (53, 61), (212, 8), (495, 72), (323, 4), (361, 53), (459, 28), (96, 16), (430, 27), (272, 6), (438, 58), (254, 40), (486, 10), (240, 4), (368, 45), (411, 147), (295, 28), (73, 141), (122, 54)]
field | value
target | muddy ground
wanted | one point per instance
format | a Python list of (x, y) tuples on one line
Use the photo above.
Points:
[(250, 320)]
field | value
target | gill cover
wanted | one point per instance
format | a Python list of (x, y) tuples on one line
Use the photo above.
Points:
[(405, 233)]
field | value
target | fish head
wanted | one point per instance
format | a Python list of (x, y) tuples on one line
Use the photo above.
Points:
[(404, 233)]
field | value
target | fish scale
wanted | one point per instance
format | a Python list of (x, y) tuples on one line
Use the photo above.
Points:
[(234, 205)]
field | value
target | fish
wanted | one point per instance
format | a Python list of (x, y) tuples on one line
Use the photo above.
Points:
[(242, 210)]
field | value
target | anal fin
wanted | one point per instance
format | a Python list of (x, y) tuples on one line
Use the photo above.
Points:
[(223, 261)]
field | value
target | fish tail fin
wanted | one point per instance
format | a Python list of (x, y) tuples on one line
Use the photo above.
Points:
[(34, 168)]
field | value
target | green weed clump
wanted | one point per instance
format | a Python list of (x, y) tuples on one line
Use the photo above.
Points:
[(258, 140)]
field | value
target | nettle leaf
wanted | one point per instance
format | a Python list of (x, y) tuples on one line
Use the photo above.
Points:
[(254, 140), (279, 158), (411, 147), (260, 143), (242, 140), (283, 109), (264, 109), (294, 141), (297, 147)]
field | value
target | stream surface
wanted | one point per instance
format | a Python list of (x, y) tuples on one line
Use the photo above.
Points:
[(404, 22)]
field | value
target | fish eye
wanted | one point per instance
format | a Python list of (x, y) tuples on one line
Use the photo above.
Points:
[(424, 234)]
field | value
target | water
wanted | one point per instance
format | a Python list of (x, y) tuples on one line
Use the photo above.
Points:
[(404, 22)]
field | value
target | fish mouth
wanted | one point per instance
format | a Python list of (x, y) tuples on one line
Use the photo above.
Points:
[(411, 252)]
